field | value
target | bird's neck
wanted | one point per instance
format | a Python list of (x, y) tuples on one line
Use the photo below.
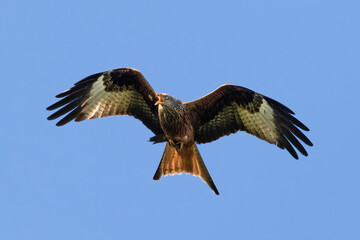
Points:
[(171, 114)]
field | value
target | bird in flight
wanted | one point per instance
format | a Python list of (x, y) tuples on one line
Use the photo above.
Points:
[(182, 125)]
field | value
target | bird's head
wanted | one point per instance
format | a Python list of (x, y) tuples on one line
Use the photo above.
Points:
[(166, 100)]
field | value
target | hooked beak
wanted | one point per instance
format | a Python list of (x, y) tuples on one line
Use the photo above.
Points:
[(160, 99)]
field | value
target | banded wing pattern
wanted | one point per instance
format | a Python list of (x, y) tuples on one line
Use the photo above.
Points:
[(231, 108), (122, 91)]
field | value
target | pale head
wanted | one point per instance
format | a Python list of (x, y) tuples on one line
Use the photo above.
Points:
[(166, 100)]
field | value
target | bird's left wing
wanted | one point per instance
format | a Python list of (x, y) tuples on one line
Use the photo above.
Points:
[(231, 108), (122, 91)]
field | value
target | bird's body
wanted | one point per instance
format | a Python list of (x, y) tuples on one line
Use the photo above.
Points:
[(226, 110), (181, 153), (172, 112)]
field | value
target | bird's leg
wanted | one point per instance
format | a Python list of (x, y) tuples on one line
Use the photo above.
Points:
[(171, 142), (177, 145)]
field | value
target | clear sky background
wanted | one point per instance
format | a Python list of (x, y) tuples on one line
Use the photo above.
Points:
[(93, 180)]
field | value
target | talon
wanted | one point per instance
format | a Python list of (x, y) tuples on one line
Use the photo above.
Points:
[(179, 146), (172, 144)]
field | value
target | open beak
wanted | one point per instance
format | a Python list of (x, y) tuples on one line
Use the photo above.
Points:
[(160, 99)]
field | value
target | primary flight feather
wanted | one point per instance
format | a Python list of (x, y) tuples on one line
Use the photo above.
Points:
[(181, 125)]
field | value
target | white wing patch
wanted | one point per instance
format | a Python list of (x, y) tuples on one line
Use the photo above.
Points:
[(260, 123), (102, 103)]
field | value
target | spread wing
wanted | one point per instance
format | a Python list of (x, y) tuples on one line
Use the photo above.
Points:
[(122, 91), (232, 108)]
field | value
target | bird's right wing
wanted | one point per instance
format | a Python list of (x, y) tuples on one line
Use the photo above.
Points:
[(122, 91)]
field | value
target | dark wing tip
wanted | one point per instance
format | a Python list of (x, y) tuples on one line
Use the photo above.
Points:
[(63, 94), (284, 143), (72, 100), (294, 154), (278, 105), (286, 112), (290, 129), (61, 123), (51, 117), (306, 128), (298, 123)]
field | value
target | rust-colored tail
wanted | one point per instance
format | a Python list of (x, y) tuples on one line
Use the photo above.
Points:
[(187, 160)]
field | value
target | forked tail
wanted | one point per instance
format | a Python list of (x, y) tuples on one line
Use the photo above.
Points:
[(187, 160)]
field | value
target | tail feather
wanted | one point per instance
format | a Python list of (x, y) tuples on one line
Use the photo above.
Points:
[(187, 160)]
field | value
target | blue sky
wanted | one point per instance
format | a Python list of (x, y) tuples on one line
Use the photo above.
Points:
[(93, 180)]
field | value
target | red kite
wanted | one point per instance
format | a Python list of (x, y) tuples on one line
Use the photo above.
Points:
[(181, 125)]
